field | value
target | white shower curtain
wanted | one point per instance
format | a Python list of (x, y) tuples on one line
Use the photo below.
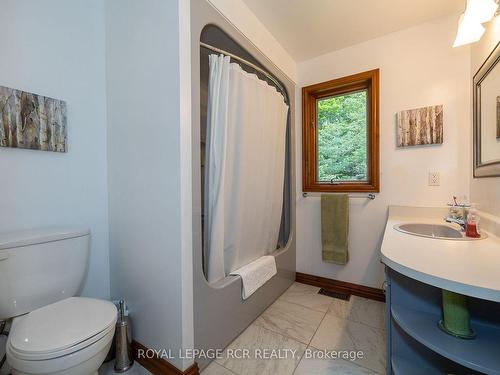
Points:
[(246, 162)]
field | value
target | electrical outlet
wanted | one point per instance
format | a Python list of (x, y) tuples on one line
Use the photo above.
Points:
[(433, 178)]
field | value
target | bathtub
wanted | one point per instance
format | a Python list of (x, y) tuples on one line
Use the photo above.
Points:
[(220, 314)]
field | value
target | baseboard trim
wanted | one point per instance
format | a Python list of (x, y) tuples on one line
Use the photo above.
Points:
[(160, 366), (341, 286)]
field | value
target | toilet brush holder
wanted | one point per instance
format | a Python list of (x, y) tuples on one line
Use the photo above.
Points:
[(456, 318), (123, 338)]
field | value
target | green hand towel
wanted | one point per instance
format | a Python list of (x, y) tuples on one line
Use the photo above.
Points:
[(335, 227)]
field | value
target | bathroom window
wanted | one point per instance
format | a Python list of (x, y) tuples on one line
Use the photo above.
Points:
[(340, 134)]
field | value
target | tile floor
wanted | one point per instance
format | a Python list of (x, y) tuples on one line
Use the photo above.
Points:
[(137, 369), (106, 369), (300, 320)]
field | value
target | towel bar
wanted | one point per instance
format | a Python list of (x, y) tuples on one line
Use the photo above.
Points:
[(370, 196)]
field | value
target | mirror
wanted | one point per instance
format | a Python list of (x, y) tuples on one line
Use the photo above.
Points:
[(486, 111)]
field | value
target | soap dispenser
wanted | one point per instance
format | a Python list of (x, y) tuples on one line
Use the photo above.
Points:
[(472, 225)]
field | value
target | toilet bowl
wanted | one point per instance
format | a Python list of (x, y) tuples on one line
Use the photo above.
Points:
[(69, 337), (52, 332)]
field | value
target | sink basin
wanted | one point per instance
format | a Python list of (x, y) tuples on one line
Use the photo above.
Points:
[(438, 231)]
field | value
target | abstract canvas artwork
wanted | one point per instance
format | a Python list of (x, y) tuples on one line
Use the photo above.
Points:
[(420, 126), (498, 117), (32, 121)]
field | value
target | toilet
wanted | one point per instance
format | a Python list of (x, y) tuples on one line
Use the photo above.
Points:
[(52, 331)]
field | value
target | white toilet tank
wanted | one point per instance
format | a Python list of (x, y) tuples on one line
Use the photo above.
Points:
[(40, 267)]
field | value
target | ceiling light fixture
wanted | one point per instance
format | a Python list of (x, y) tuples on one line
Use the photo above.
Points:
[(481, 10), (469, 31), (470, 28)]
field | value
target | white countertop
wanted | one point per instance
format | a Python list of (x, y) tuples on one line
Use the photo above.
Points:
[(468, 267)]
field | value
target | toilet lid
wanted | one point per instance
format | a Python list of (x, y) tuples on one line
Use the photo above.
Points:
[(61, 325)]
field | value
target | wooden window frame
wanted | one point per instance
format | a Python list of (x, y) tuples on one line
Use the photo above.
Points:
[(362, 81)]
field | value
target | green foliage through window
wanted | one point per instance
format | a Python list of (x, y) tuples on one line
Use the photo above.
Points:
[(342, 137)]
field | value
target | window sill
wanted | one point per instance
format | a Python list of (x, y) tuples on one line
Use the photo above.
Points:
[(342, 188)]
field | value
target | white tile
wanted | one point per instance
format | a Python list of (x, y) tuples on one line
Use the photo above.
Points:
[(361, 310), (292, 320), (340, 334), (108, 369), (215, 369), (256, 340), (314, 366), (307, 296), (340, 308)]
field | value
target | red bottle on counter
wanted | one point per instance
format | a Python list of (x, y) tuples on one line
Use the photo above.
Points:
[(472, 226)]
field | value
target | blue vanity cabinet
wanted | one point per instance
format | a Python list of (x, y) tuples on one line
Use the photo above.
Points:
[(416, 345)]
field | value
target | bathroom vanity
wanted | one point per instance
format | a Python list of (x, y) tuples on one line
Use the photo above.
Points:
[(418, 268)]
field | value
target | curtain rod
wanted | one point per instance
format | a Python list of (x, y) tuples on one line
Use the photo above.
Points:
[(370, 196), (248, 63)]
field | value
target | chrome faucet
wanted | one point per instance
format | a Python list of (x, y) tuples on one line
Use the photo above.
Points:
[(458, 220), (457, 214)]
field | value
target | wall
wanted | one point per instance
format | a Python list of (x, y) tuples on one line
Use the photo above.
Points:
[(186, 185), (238, 13), (418, 67), (148, 100), (56, 48), (486, 191)]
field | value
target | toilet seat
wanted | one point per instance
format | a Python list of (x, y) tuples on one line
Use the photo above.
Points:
[(85, 361), (61, 328), (34, 356)]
